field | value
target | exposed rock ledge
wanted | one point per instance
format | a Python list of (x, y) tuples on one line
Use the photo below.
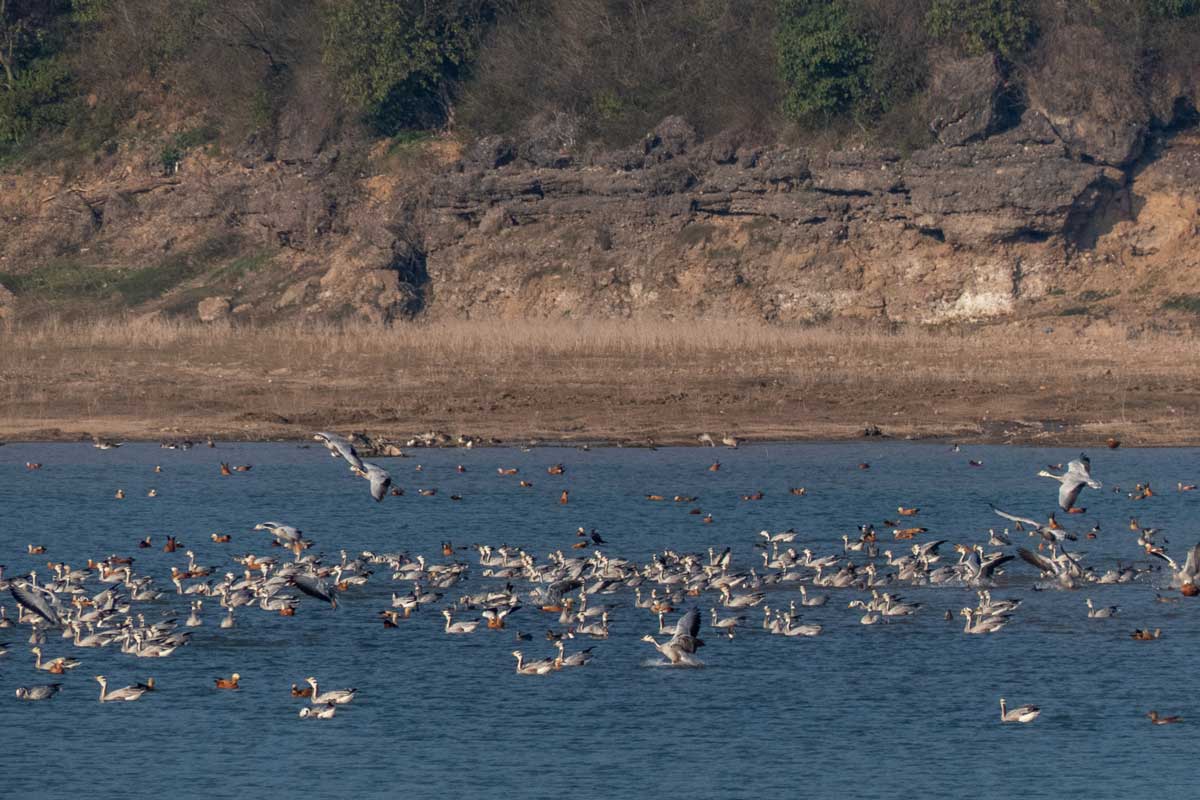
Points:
[(989, 222)]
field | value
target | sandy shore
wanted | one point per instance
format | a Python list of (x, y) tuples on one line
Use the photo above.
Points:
[(629, 383)]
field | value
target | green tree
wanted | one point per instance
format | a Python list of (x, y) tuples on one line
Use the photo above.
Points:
[(823, 60), (1003, 27), (34, 80), (1171, 9), (397, 60)]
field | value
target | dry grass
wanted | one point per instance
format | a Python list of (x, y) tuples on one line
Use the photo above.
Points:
[(592, 380)]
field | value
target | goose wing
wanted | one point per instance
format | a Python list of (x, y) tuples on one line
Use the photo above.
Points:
[(314, 588), (1069, 490), (341, 446), (1078, 475), (1168, 559), (380, 480), (1081, 469), (34, 602), (988, 567), (1033, 523), (688, 624), (1041, 562), (1192, 564)]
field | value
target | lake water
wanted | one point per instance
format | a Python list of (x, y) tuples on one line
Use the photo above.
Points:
[(908, 709)]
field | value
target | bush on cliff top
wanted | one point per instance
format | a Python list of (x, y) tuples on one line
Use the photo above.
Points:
[(823, 60)]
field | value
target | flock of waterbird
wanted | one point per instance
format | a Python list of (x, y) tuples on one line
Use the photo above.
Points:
[(585, 592)]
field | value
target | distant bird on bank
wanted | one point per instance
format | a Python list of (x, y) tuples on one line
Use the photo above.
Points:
[(1078, 475)]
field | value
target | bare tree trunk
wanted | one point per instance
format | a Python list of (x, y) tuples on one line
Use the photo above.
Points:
[(9, 40)]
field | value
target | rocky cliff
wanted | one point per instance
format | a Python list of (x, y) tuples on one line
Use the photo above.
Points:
[(1012, 213)]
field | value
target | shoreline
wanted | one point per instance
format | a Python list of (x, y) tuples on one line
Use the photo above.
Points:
[(627, 383), (1019, 433)]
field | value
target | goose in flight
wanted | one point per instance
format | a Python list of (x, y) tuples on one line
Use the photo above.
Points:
[(340, 447), (30, 596), (1182, 575), (1047, 531), (1062, 566), (979, 570), (1078, 475), (314, 587), (680, 648), (378, 476), (1024, 713)]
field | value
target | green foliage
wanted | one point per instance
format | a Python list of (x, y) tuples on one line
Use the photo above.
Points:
[(1171, 9), (36, 100), (35, 82), (396, 59), (823, 60), (1003, 27), (175, 149), (1183, 302), (66, 279)]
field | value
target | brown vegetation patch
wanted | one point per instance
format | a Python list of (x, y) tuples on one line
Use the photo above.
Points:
[(598, 381)]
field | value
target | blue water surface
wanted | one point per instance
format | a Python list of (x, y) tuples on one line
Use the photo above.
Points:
[(908, 709)]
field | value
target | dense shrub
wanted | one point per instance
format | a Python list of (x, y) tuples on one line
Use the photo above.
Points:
[(396, 60), (1003, 27), (823, 61), (35, 81)]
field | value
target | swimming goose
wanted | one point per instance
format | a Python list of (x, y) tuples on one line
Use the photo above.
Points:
[(458, 627), (573, 660), (1078, 475), (127, 693), (1101, 613), (727, 624), (336, 697), (978, 623), (41, 692), (815, 600), (597, 630), (1024, 713), (323, 712), (56, 667), (540, 667)]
